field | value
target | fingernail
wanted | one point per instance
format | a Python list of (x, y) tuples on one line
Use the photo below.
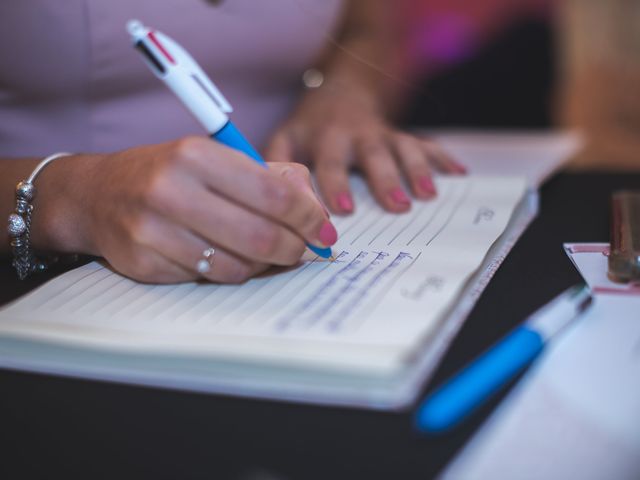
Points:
[(328, 234), (345, 202), (426, 185), (399, 197), (459, 168)]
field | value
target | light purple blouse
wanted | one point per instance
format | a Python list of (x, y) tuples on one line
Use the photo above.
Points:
[(70, 79)]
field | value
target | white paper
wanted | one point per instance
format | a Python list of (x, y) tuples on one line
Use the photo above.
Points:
[(591, 260), (394, 277), (536, 155), (576, 414)]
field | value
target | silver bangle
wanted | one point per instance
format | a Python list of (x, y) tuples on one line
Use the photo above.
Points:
[(24, 260)]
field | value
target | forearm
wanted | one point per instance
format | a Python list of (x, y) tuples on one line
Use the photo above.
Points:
[(56, 224), (365, 61)]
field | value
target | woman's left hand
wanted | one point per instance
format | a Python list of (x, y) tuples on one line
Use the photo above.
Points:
[(336, 131)]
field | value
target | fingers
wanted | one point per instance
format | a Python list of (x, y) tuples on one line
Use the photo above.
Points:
[(380, 161), (330, 155), (440, 158), (239, 230), (148, 266), (415, 165), (177, 248), (248, 187), (382, 173), (280, 148)]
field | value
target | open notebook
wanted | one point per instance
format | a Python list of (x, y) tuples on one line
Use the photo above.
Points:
[(364, 330)]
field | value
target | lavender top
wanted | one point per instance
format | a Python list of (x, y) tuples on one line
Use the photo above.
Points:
[(70, 79)]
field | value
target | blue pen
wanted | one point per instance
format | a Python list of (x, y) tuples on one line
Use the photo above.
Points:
[(471, 387), (182, 74)]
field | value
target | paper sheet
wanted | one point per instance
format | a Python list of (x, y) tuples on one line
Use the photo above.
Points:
[(576, 413), (344, 313), (591, 260), (534, 154)]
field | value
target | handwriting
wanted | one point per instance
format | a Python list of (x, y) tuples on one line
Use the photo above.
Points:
[(484, 214), (433, 283), (331, 305)]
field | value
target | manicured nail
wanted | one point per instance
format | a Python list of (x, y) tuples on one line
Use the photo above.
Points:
[(345, 202), (399, 197), (458, 168), (328, 234), (426, 185)]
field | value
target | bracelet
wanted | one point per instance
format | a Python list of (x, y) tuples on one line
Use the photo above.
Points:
[(312, 78), (24, 260)]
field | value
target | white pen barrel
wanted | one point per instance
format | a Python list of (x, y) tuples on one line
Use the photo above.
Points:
[(557, 314), (196, 100)]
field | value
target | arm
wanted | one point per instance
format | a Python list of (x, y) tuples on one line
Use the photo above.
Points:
[(345, 122), (56, 216), (365, 60)]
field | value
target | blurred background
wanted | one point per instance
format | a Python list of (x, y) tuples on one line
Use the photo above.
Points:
[(530, 64)]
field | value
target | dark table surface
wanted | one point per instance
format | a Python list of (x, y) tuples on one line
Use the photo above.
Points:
[(56, 427)]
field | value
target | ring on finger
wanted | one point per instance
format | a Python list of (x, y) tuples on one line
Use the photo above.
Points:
[(205, 264)]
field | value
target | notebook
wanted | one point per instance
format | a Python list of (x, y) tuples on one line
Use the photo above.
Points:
[(364, 330)]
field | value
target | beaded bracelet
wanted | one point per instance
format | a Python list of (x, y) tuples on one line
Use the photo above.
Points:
[(24, 260)]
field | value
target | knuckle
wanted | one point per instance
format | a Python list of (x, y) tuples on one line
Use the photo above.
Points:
[(187, 149), (237, 272), (327, 133), (278, 196), (371, 149), (264, 239), (140, 232), (302, 171), (158, 191), (297, 170), (331, 165), (143, 267), (410, 147)]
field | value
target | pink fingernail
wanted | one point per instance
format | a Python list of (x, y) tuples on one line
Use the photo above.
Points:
[(345, 202), (459, 168), (426, 185), (328, 234), (398, 196)]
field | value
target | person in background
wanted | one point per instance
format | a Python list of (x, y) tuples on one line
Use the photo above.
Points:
[(151, 198)]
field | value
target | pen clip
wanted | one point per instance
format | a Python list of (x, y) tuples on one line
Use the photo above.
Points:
[(184, 60)]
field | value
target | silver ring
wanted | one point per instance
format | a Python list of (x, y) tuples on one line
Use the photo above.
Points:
[(204, 264)]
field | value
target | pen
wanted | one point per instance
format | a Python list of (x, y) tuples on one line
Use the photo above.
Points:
[(473, 385), (181, 73)]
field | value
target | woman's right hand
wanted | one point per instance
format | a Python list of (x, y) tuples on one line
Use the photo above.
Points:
[(152, 211)]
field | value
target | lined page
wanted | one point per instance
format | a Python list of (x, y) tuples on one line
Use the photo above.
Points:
[(393, 277)]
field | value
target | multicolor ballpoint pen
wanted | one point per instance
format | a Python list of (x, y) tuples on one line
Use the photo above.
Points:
[(185, 78)]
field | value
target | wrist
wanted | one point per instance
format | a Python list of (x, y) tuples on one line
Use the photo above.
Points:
[(366, 73), (61, 215)]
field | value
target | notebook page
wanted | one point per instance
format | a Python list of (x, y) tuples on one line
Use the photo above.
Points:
[(393, 278)]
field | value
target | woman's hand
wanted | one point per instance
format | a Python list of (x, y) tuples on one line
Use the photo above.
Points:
[(335, 130), (152, 211)]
